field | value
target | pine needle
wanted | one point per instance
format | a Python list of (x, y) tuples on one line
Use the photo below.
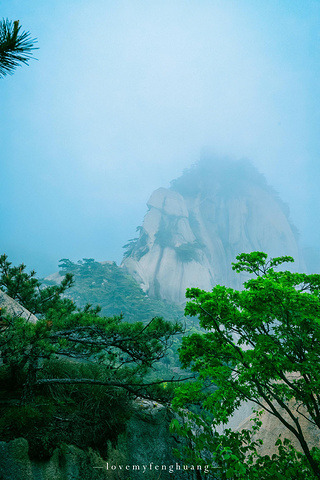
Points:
[(16, 47)]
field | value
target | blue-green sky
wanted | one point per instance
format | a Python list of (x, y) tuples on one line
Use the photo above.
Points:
[(124, 96)]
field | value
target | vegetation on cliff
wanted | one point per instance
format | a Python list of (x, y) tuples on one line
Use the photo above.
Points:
[(193, 230), (261, 345), (70, 376), (118, 294), (115, 291), (222, 178)]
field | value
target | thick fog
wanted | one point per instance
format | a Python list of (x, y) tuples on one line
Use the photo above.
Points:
[(125, 95)]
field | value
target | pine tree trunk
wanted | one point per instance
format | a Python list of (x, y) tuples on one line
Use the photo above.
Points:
[(28, 388)]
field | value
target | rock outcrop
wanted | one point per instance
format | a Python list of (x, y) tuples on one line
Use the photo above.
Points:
[(143, 451), (66, 463), (193, 231), (14, 308), (271, 428)]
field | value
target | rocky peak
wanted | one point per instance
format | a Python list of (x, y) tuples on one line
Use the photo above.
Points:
[(193, 231)]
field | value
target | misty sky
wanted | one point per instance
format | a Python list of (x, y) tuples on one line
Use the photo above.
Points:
[(126, 94)]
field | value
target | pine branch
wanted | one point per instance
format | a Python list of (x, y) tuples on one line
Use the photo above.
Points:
[(15, 47)]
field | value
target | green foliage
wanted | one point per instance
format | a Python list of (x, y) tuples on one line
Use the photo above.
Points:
[(137, 247), (28, 291), (67, 377), (109, 286), (235, 454), (256, 262), (126, 351), (117, 293), (163, 237), (86, 415), (130, 246), (216, 180), (15, 46), (187, 252), (262, 344), (213, 176)]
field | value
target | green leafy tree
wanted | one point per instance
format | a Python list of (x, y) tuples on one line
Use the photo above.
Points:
[(16, 47), (262, 344)]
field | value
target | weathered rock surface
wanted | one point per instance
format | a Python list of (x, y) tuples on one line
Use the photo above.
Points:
[(272, 428), (143, 451), (67, 463), (15, 309), (193, 231)]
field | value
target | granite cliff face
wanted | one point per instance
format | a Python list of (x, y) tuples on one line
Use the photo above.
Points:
[(193, 231)]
